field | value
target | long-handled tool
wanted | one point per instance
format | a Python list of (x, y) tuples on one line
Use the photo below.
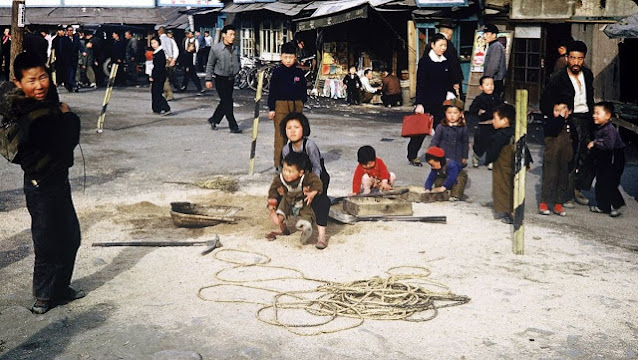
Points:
[(210, 244), (345, 218)]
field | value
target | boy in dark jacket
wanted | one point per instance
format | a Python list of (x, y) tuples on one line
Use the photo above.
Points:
[(560, 138), (287, 94), (608, 152), (353, 84), (50, 132), (501, 153), (446, 174), (482, 108)]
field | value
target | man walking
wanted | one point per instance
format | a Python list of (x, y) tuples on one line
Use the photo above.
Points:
[(131, 57), (167, 46), (223, 65), (494, 59), (576, 83)]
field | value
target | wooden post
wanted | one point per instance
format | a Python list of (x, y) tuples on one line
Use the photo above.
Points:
[(17, 31), (253, 143), (395, 69), (107, 98), (520, 133), (412, 57)]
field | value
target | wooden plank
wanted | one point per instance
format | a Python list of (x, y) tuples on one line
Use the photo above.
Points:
[(418, 194), (626, 124), (377, 206)]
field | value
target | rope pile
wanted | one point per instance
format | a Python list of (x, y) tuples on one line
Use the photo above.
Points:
[(405, 294)]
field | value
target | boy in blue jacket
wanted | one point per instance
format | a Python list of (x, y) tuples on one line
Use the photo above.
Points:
[(446, 174)]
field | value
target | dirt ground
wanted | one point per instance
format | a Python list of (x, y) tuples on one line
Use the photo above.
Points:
[(571, 296)]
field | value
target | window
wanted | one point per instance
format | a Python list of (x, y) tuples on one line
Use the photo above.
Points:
[(273, 34), (247, 34), (527, 60), (425, 33)]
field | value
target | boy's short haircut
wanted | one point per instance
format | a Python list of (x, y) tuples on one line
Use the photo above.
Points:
[(366, 71), (295, 116), (607, 106), (289, 48), (26, 61), (297, 159), (565, 100), (483, 78), (226, 28), (506, 111), (577, 46), (366, 154)]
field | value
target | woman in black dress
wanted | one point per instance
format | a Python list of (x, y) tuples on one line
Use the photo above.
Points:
[(158, 76)]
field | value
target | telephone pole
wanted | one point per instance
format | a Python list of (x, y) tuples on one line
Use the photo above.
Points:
[(18, 18)]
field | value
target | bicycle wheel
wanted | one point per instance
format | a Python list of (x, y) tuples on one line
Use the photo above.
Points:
[(251, 78)]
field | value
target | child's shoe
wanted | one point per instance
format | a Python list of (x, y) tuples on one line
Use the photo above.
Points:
[(453, 199), (596, 209), (580, 198), (543, 209), (569, 204), (475, 161), (558, 210), (416, 162), (614, 212), (306, 230), (489, 166)]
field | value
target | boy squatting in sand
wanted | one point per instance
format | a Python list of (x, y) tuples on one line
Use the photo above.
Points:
[(371, 173), (297, 188)]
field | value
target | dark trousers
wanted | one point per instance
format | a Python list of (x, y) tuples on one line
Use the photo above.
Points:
[(56, 235), (458, 188), (482, 137), (131, 72), (321, 206), (352, 96), (393, 99), (70, 84), (556, 157), (7, 65), (191, 74), (609, 168), (202, 58), (499, 88), (224, 86), (583, 175), (158, 102)]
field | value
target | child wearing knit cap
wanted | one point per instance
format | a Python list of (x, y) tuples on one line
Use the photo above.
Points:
[(446, 174)]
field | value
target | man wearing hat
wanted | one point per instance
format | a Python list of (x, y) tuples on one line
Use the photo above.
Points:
[(446, 27), (494, 65)]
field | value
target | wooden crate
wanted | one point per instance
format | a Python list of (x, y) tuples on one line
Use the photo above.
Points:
[(367, 206), (418, 194)]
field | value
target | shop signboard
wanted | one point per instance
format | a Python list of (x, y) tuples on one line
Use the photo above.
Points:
[(191, 3), (480, 47)]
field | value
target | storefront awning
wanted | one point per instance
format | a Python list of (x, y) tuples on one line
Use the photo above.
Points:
[(334, 13), (625, 28), (288, 9), (88, 15)]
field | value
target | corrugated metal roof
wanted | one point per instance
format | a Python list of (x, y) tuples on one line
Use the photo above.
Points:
[(78, 15)]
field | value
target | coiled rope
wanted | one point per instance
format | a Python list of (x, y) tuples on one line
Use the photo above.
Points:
[(405, 294)]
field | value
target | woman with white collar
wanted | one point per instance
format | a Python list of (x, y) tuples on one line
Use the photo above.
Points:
[(433, 82), (157, 79)]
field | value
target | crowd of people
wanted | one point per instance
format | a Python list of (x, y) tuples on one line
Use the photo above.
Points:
[(580, 142)]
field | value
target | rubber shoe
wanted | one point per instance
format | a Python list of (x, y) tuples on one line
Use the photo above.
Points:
[(40, 307), (71, 294), (615, 212), (596, 209), (580, 198), (306, 230), (475, 161), (558, 210), (489, 166), (543, 209), (569, 204), (416, 162), (453, 199)]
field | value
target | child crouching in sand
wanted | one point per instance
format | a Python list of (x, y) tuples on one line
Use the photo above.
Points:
[(297, 189), (446, 174), (371, 173)]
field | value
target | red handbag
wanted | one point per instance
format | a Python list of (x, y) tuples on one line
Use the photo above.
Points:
[(417, 124)]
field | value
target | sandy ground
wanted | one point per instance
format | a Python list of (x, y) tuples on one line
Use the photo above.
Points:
[(572, 295)]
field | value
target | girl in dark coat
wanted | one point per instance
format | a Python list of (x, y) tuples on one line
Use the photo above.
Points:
[(158, 76), (433, 81), (451, 135), (190, 73)]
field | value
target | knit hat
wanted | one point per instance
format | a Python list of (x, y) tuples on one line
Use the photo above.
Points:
[(435, 153)]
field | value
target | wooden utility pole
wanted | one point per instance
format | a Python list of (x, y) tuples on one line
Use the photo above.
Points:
[(18, 18), (412, 57), (519, 172)]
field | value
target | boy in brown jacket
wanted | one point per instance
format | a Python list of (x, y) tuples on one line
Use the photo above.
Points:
[(297, 189)]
